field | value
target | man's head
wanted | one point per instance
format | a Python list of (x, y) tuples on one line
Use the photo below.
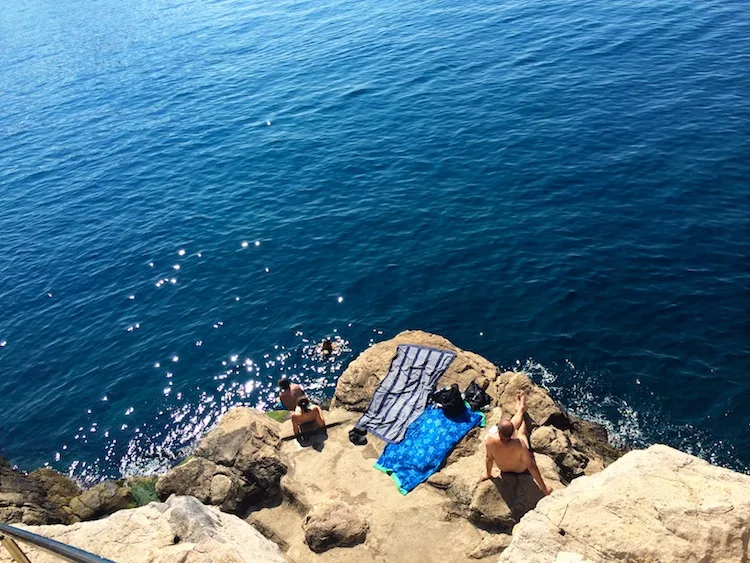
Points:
[(506, 429), (283, 384), (303, 403)]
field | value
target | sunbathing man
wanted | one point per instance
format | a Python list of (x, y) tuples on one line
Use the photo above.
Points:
[(507, 445), (307, 419), (290, 393)]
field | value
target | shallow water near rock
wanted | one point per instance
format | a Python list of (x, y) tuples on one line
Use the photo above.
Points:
[(195, 193)]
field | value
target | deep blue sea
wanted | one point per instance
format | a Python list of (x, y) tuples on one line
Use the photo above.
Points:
[(193, 193)]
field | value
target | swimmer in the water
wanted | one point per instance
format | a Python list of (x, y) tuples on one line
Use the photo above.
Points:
[(327, 347)]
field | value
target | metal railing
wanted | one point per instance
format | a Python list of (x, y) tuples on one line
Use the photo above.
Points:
[(9, 536)]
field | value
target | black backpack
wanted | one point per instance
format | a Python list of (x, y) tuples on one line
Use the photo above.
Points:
[(476, 396), (450, 400)]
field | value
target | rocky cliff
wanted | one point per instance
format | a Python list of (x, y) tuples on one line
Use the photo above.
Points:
[(327, 503), (324, 501)]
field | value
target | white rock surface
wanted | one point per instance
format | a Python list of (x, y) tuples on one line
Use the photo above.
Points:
[(655, 505), (180, 530)]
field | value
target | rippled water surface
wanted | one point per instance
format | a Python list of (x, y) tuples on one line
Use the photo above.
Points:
[(194, 193)]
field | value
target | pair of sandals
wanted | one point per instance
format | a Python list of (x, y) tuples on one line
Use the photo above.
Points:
[(358, 436)]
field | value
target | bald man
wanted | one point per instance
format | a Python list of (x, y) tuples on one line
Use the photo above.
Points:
[(507, 446)]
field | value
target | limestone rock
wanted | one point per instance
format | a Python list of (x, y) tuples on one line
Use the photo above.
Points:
[(181, 530), (247, 440), (101, 500), (491, 544), (542, 409), (357, 384), (334, 524), (557, 444), (24, 499), (657, 504), (235, 464), (59, 488), (591, 439), (208, 482)]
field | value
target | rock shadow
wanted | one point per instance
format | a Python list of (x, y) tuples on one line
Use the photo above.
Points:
[(519, 491), (315, 440)]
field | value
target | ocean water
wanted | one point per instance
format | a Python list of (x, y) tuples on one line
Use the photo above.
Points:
[(194, 193)]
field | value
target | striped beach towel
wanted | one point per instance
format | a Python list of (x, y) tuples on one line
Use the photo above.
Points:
[(402, 396)]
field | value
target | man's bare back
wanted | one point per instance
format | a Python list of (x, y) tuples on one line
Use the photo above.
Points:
[(289, 396), (507, 446)]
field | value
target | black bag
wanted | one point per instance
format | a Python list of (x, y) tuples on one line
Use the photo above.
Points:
[(450, 400), (476, 396)]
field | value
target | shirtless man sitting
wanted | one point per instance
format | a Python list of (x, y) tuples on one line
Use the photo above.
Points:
[(290, 394), (507, 445)]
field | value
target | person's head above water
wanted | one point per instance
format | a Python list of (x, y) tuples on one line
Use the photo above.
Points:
[(283, 384), (506, 429), (303, 403)]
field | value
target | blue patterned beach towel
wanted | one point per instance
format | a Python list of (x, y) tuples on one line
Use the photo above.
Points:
[(428, 442), (402, 395)]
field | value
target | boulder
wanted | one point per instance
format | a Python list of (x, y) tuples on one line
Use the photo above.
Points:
[(557, 445), (491, 544), (181, 530), (101, 500), (24, 499), (657, 504), (333, 524), (208, 482), (59, 488), (541, 408), (235, 465), (591, 439)]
